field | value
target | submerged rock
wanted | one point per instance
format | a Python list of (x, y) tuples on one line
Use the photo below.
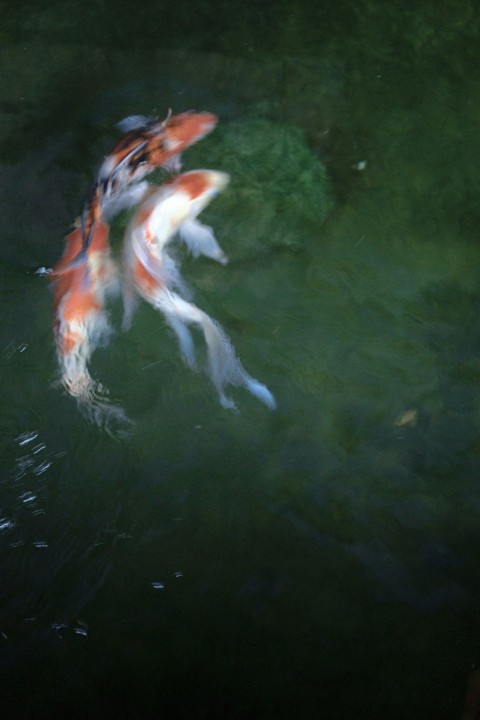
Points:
[(279, 192)]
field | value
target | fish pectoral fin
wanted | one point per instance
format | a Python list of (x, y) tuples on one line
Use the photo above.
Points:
[(201, 240), (125, 199), (133, 122)]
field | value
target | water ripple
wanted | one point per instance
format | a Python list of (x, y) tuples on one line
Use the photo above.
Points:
[(26, 437)]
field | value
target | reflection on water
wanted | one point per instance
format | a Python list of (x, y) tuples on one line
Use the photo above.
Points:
[(319, 560)]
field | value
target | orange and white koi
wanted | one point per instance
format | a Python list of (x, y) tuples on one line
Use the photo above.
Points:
[(147, 144), (152, 273), (81, 322)]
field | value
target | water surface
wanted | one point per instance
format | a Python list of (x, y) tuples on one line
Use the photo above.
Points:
[(315, 561)]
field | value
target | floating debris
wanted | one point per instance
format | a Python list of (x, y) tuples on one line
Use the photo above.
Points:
[(407, 418), (360, 166)]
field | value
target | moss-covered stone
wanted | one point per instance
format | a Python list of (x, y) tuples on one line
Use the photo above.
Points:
[(278, 187)]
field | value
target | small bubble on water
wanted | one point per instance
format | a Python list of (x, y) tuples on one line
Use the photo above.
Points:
[(6, 524), (57, 627), (26, 437), (9, 350), (24, 462), (80, 631), (157, 586), (27, 497), (40, 544), (178, 574), (43, 467)]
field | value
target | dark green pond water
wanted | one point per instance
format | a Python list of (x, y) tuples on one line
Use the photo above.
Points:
[(317, 561)]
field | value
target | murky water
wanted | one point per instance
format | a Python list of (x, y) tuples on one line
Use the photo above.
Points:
[(317, 561)]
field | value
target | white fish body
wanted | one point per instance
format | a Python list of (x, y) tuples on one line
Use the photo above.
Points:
[(151, 273)]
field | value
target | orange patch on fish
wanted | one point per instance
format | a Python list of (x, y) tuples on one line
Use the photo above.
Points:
[(144, 279), (78, 305), (68, 342), (194, 183)]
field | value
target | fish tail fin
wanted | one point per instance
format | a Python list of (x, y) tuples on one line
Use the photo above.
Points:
[(76, 339), (92, 397), (98, 409), (201, 240), (224, 367)]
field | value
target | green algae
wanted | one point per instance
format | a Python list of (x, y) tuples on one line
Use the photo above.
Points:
[(279, 189)]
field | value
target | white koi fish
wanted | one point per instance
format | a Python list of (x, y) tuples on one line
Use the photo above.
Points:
[(150, 272)]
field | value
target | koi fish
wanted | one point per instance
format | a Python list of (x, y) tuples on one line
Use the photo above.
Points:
[(81, 322), (147, 144), (152, 274)]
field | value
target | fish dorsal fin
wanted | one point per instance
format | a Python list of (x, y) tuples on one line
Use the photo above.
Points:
[(133, 122)]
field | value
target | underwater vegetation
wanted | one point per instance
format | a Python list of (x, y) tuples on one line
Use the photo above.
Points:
[(278, 187)]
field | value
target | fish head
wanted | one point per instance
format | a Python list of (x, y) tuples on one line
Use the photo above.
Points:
[(187, 128), (167, 207), (200, 187)]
